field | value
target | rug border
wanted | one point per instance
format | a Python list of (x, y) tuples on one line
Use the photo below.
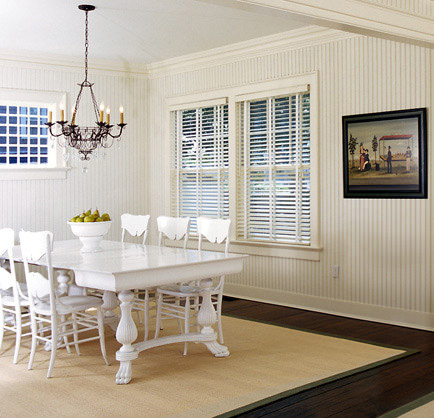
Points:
[(278, 396), (423, 400)]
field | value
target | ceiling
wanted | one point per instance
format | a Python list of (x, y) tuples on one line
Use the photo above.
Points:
[(133, 31)]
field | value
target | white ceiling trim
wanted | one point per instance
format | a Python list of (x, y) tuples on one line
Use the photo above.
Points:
[(357, 16), (297, 38)]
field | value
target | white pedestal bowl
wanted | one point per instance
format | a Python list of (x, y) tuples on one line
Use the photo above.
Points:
[(90, 234)]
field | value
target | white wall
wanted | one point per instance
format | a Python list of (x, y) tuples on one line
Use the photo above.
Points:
[(116, 185), (383, 247)]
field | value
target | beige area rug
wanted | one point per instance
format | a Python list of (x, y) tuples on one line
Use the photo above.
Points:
[(266, 361)]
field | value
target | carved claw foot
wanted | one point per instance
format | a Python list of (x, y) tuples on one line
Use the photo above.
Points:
[(123, 376), (217, 349)]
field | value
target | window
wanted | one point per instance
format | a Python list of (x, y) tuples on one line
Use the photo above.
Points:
[(24, 136), (249, 153), (273, 188), (200, 145), (26, 150)]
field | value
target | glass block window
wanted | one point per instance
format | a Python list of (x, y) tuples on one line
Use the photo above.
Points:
[(23, 135)]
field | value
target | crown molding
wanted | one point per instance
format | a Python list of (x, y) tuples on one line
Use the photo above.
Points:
[(32, 59), (366, 18), (267, 45)]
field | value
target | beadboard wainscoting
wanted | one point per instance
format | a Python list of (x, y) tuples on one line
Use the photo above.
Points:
[(383, 247), (115, 184)]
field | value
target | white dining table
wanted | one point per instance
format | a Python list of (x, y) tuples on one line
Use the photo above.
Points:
[(122, 267)]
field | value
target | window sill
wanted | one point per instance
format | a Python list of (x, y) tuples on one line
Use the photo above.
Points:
[(257, 248), (57, 173)]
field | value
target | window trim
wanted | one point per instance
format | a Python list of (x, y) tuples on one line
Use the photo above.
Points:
[(232, 95), (54, 100)]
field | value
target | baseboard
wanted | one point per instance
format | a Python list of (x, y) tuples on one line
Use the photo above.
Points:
[(394, 316)]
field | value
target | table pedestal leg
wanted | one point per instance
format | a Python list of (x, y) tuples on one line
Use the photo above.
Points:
[(109, 305), (206, 318), (63, 279), (126, 334)]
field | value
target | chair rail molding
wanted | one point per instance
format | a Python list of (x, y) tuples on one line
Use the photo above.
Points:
[(358, 16)]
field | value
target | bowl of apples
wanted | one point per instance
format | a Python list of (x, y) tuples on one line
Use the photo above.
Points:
[(90, 228)]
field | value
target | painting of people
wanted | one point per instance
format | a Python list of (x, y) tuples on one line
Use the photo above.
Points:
[(385, 154)]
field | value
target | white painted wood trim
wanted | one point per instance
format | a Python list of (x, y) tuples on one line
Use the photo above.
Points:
[(387, 315), (257, 248), (9, 174), (357, 15), (267, 45)]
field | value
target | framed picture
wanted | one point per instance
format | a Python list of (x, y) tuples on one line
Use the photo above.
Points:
[(385, 154)]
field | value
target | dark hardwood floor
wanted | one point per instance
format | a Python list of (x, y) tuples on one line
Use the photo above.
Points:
[(367, 394)]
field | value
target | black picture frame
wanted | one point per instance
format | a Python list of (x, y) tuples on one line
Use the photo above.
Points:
[(401, 170)]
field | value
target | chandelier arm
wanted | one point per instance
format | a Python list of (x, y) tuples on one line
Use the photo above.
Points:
[(121, 128)]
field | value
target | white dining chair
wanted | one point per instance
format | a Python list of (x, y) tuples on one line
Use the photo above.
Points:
[(170, 298), (59, 316), (171, 229), (136, 226), (14, 305)]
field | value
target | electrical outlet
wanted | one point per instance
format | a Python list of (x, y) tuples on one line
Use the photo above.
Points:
[(335, 272)]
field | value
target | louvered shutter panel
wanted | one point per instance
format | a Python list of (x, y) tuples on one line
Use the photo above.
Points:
[(200, 175), (273, 190)]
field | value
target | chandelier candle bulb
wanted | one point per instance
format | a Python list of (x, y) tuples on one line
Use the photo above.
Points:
[(62, 113), (73, 117), (108, 116), (50, 116), (121, 111), (101, 112)]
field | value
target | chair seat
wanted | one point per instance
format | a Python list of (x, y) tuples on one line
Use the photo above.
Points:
[(8, 300), (69, 304), (183, 290)]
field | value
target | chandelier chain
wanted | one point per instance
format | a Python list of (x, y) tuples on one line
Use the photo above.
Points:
[(86, 47)]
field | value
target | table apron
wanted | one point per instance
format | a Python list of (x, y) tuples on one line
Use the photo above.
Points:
[(143, 279)]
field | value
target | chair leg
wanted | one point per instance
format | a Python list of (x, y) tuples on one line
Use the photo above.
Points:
[(2, 324), (34, 327), (187, 322), (196, 310), (219, 318), (75, 327), (65, 338), (53, 348), (18, 333), (100, 317), (178, 303), (158, 320), (139, 317), (146, 315)]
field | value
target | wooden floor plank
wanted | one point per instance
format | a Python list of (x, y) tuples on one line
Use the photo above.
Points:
[(367, 394)]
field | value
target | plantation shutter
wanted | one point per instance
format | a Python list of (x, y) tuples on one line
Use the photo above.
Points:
[(273, 189), (200, 175)]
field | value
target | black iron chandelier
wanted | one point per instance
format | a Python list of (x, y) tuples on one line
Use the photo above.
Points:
[(86, 139)]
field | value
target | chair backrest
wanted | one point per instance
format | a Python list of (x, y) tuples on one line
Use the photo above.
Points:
[(174, 229), (135, 225), (214, 230), (34, 246), (8, 279)]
